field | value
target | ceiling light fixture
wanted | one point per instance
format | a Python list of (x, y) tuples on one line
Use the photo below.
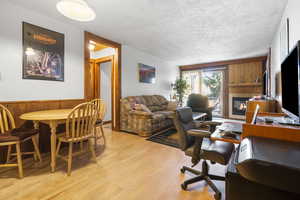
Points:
[(76, 9)]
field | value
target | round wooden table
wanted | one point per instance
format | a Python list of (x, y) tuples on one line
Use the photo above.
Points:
[(52, 118)]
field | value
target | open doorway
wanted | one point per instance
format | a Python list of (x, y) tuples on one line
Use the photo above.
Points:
[(103, 75), (101, 57)]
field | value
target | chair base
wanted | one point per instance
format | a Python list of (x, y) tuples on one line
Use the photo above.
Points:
[(202, 176)]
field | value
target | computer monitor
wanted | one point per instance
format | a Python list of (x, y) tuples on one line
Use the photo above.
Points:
[(290, 83)]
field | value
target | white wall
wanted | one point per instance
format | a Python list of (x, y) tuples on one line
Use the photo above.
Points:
[(12, 86), (166, 73), (105, 87), (291, 12)]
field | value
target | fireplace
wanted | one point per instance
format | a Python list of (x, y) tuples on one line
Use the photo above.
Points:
[(239, 105)]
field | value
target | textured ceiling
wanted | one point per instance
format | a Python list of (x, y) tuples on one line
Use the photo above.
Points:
[(181, 31)]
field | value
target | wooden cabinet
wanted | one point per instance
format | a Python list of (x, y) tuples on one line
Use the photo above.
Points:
[(265, 106), (246, 77), (247, 74)]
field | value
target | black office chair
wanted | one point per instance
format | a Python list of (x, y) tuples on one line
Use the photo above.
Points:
[(195, 142)]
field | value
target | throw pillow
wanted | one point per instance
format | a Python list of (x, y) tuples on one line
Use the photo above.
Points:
[(142, 107)]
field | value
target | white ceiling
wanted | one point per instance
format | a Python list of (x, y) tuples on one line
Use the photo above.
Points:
[(181, 31)]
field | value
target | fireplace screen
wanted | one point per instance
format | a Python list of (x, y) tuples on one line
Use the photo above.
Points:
[(239, 105)]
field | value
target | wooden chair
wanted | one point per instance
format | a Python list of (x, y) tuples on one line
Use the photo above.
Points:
[(10, 136), (99, 103), (79, 128)]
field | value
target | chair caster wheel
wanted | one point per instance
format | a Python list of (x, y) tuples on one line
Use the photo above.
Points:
[(182, 170), (183, 186), (218, 196)]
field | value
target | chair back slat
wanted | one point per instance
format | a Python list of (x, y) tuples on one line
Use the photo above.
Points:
[(7, 121), (81, 121), (99, 103)]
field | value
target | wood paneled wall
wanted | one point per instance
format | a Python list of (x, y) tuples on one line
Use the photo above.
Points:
[(246, 73), (246, 77), (19, 107)]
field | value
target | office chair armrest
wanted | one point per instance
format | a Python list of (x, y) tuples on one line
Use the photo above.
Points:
[(211, 123), (199, 133)]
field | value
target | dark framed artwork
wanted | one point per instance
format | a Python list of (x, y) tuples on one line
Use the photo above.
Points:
[(284, 39), (146, 73), (43, 53)]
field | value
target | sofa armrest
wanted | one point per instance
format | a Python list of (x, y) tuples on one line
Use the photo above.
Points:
[(172, 105), (141, 114)]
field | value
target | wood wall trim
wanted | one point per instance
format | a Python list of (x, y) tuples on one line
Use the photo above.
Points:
[(17, 108), (222, 63), (104, 59), (89, 75), (39, 101)]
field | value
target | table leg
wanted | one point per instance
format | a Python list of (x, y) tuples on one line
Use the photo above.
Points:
[(36, 125), (53, 126)]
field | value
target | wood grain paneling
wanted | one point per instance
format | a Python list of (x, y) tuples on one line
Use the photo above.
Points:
[(246, 78), (222, 63), (17, 108), (246, 73), (246, 90)]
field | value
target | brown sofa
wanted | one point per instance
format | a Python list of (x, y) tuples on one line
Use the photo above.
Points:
[(146, 123)]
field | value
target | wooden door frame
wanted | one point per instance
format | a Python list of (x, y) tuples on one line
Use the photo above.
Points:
[(89, 75), (97, 69)]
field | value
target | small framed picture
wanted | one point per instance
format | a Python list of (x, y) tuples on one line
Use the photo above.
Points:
[(146, 73)]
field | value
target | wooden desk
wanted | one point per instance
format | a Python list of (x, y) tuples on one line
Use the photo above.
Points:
[(273, 131), (52, 118), (218, 136), (262, 129)]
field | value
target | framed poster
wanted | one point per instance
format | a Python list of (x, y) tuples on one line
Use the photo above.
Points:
[(146, 73), (284, 39), (43, 53)]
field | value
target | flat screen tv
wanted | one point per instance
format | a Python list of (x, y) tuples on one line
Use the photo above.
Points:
[(290, 83)]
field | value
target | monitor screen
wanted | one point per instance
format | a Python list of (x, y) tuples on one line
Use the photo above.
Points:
[(289, 80)]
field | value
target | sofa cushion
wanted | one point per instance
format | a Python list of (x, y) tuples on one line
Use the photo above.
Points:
[(167, 114), (142, 107), (158, 117), (162, 100)]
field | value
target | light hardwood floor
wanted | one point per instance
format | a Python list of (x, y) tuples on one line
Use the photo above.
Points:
[(128, 168)]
